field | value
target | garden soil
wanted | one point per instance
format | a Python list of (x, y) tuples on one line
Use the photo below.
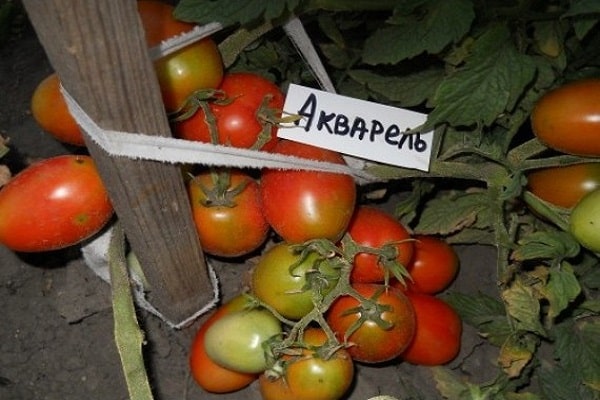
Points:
[(56, 322)]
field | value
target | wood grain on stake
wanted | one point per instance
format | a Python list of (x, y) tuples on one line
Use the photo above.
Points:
[(97, 47)]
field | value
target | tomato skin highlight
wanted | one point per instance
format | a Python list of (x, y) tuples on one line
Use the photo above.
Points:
[(207, 374), (433, 267), (53, 204), (308, 376), (228, 230), (374, 227), (236, 340), (304, 205), (564, 186), (50, 111), (567, 119), (585, 220), (371, 343), (285, 290), (438, 332)]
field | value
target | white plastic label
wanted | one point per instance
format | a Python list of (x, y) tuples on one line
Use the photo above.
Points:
[(356, 127)]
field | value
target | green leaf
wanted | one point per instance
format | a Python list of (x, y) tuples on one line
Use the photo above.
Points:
[(489, 85), (562, 288), (448, 214), (483, 312), (443, 22), (576, 372), (408, 90), (546, 245), (231, 12), (580, 7), (523, 306), (406, 208), (449, 384)]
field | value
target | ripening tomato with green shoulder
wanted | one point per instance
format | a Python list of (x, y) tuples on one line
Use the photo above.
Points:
[(227, 212), (246, 117), (52, 204), (304, 205), (567, 118), (585, 220), (564, 186), (50, 111), (376, 228), (319, 371), (195, 67), (206, 373), (290, 281), (379, 328), (438, 331)]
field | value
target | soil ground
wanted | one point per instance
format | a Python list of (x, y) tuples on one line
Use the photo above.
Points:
[(56, 330)]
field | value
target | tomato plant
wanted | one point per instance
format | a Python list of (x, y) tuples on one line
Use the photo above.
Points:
[(567, 118), (303, 205), (246, 117), (236, 340), (227, 212), (207, 374), (375, 228), (291, 281), (433, 267), (585, 219), (195, 67), (50, 111), (312, 372), (379, 327), (438, 331), (564, 186), (52, 204)]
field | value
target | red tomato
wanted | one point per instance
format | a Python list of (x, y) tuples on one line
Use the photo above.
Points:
[(195, 67), (304, 205), (286, 281), (438, 333), (309, 375), (207, 374), (375, 228), (52, 204), (433, 267), (50, 111), (564, 186), (227, 212), (567, 118), (387, 322), (241, 122)]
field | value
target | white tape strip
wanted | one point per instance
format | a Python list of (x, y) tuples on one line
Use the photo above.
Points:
[(178, 42)]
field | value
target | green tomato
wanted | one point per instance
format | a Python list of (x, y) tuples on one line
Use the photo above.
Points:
[(236, 341), (290, 288), (585, 221)]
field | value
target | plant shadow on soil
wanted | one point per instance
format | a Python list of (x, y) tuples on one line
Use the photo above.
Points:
[(56, 337)]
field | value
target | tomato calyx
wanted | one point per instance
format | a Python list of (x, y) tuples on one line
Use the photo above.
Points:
[(387, 257), (222, 194), (369, 310)]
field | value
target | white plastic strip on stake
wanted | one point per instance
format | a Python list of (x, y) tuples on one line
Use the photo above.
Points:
[(178, 42)]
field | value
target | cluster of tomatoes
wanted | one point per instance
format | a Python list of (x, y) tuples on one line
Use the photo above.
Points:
[(340, 283), (573, 107)]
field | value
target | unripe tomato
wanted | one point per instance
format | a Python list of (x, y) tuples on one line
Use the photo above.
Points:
[(236, 340), (564, 186), (197, 66), (207, 374), (53, 204), (50, 111), (438, 331), (567, 118), (286, 281), (584, 221)]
